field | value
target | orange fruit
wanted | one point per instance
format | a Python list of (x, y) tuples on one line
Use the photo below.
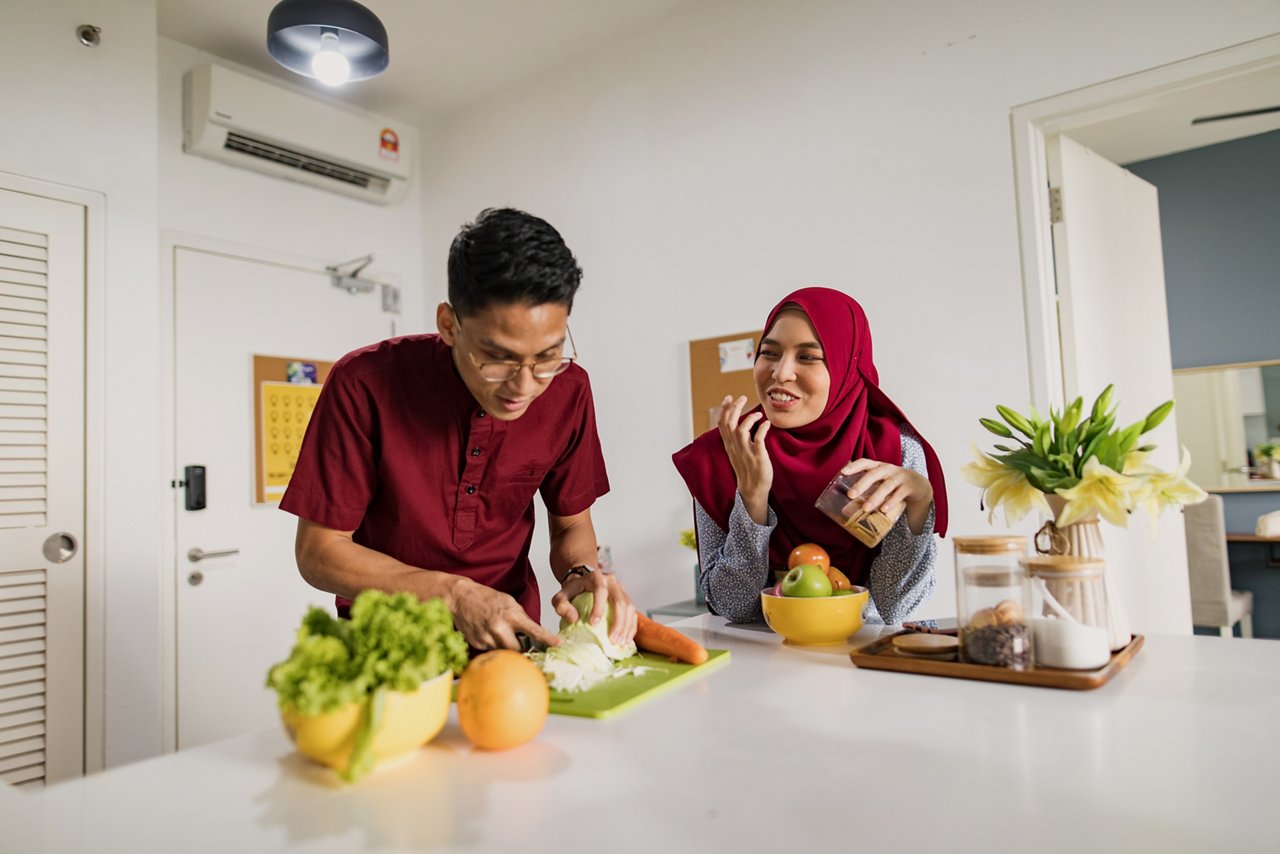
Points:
[(809, 553), (502, 700), (839, 581)]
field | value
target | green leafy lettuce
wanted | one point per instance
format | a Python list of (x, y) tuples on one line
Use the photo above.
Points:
[(392, 640)]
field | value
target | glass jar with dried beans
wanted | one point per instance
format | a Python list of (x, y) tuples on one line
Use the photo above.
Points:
[(993, 601)]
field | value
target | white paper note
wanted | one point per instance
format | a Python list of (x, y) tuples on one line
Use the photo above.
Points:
[(737, 355)]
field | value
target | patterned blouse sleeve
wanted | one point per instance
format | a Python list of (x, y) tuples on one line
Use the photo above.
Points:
[(902, 576), (733, 566)]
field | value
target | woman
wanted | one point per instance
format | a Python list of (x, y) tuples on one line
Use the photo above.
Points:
[(755, 480)]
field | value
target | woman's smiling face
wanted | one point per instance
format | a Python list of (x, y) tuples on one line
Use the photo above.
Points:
[(791, 371)]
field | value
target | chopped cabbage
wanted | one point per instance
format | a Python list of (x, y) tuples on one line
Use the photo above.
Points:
[(585, 656)]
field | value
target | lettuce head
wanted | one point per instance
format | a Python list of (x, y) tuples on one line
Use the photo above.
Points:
[(392, 641)]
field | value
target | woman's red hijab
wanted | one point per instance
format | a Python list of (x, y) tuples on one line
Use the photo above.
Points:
[(859, 421)]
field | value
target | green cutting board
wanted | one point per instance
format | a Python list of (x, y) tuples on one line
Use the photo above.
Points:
[(621, 693)]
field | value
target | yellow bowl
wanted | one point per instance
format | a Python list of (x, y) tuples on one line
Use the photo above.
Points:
[(816, 620), (410, 719)]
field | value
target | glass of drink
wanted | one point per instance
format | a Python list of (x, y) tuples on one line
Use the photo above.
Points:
[(867, 528)]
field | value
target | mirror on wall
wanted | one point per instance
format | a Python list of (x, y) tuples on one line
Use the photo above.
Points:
[(1229, 418)]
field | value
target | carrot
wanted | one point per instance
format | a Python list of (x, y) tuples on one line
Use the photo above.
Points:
[(665, 640)]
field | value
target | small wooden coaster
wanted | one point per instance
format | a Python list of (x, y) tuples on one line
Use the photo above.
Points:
[(926, 645)]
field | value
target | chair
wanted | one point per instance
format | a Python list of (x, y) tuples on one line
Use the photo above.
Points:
[(1213, 602)]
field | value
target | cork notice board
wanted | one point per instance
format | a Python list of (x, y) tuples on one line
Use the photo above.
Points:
[(717, 367), (285, 391)]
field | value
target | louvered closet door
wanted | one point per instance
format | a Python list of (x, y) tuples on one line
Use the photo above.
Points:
[(42, 279)]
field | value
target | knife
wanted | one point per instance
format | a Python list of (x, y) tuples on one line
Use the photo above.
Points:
[(530, 644)]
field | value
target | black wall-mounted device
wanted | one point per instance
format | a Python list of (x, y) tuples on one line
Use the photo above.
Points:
[(193, 477)]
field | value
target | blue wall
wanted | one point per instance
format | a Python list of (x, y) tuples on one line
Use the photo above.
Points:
[(1220, 225)]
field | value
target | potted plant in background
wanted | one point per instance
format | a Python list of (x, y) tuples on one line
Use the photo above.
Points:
[(1074, 468), (1268, 456), (689, 540)]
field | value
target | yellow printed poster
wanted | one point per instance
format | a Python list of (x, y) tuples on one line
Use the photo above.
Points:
[(286, 410), (285, 391)]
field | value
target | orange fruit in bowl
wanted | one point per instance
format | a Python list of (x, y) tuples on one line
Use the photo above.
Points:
[(839, 581), (502, 700), (809, 553)]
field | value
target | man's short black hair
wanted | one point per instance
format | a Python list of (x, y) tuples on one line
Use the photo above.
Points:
[(508, 256)]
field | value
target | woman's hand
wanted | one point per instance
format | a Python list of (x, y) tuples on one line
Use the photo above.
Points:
[(604, 587), (888, 488), (749, 457)]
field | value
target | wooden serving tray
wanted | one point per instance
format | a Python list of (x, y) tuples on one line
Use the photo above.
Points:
[(881, 655)]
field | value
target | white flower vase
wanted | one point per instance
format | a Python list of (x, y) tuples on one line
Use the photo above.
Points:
[(1084, 539), (1273, 469)]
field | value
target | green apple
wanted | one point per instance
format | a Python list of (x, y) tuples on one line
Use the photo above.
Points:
[(807, 580), (843, 592)]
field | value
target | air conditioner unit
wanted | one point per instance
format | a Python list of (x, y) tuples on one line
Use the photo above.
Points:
[(238, 119)]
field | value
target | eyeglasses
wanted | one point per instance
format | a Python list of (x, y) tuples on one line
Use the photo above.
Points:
[(544, 369)]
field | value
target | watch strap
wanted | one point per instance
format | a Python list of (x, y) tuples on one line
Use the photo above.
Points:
[(580, 569)]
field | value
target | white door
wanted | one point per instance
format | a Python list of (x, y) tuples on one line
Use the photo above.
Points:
[(237, 614), (42, 509), (1115, 329)]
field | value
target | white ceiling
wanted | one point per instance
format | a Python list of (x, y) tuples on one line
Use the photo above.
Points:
[(444, 53), (1163, 126)]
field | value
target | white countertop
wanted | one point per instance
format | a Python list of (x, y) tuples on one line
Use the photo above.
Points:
[(785, 749)]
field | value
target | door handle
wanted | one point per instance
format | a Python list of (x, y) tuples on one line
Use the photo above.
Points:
[(60, 547), (197, 555)]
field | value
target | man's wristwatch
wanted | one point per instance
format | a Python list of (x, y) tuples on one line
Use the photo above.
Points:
[(580, 569)]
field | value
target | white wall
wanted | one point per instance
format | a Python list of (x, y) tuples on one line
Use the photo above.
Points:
[(212, 199), (266, 215), (85, 117), (738, 150), (95, 118)]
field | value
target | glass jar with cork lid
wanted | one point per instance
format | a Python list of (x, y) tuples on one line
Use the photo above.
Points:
[(993, 600), (1070, 620)]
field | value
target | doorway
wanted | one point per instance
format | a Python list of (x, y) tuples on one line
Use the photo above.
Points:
[(1069, 348), (234, 592), (43, 508)]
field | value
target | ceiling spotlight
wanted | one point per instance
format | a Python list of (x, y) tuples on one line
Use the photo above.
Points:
[(329, 66), (331, 40)]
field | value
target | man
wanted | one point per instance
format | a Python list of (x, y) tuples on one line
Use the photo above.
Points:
[(424, 452)]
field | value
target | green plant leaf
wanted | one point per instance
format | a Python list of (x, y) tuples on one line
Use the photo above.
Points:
[(1100, 428), (996, 427), (1100, 405), (1072, 416), (1016, 421), (1071, 442), (1028, 462), (1159, 414), (1082, 431), (1103, 447), (1129, 438), (1051, 479), (1042, 440)]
